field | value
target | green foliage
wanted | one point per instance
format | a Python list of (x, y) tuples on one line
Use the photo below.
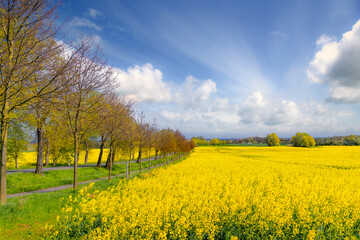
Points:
[(17, 141), (200, 141), (26, 217), (272, 140), (303, 140), (215, 141), (352, 140)]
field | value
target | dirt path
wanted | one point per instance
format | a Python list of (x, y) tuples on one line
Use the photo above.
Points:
[(53, 189)]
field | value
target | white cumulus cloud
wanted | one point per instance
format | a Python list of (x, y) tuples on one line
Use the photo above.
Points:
[(268, 111), (195, 93), (143, 84), (324, 39), (338, 63)]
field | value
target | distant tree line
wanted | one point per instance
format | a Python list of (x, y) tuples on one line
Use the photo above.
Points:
[(298, 140), (201, 141), (351, 140)]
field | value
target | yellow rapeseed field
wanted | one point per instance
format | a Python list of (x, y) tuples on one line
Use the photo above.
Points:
[(28, 159), (228, 193)]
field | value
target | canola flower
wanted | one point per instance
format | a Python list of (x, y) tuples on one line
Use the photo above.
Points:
[(227, 193), (28, 159)]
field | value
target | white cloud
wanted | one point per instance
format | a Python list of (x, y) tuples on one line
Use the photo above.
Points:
[(338, 64), (280, 35), (143, 84), (258, 116), (343, 94), (324, 39), (268, 111), (83, 22), (195, 93), (200, 109), (94, 13)]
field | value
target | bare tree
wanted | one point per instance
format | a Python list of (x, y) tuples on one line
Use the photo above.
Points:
[(129, 138), (92, 78), (27, 69), (150, 140), (142, 136), (118, 123)]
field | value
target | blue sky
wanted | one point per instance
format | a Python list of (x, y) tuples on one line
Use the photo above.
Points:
[(232, 68)]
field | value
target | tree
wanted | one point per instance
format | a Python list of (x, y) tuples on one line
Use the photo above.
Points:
[(17, 141), (272, 140), (167, 142), (119, 115), (129, 138), (91, 79), (303, 140), (141, 130), (151, 140), (27, 70), (200, 141), (59, 138), (215, 141), (352, 140)]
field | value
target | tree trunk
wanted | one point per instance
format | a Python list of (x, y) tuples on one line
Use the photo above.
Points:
[(100, 154), (108, 159), (113, 156), (126, 169), (16, 161), (129, 167), (4, 131), (47, 153), (155, 160), (149, 159), (75, 159), (139, 156), (87, 151), (40, 151), (110, 168)]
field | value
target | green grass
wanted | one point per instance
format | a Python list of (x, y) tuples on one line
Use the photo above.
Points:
[(25, 217), (25, 182)]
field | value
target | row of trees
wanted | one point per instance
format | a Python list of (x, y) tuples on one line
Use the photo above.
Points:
[(299, 140), (65, 92), (351, 140), (305, 140)]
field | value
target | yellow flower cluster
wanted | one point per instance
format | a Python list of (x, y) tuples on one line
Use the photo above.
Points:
[(28, 159), (228, 193)]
